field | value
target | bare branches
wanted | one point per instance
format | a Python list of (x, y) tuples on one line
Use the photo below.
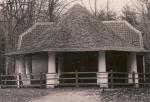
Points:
[(65, 7), (103, 15), (39, 9), (91, 7), (83, 3), (21, 14), (18, 14), (129, 15)]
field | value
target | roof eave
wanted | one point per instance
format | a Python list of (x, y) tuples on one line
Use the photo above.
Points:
[(80, 50)]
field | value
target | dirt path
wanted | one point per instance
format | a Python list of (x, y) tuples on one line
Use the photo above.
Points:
[(70, 95)]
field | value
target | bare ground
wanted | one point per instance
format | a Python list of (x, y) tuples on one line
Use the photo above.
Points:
[(95, 95), (81, 94), (21, 95), (70, 95)]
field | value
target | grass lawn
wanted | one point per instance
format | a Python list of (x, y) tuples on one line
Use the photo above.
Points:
[(126, 95), (21, 95)]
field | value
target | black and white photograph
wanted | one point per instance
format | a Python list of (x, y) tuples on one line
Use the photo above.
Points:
[(74, 50)]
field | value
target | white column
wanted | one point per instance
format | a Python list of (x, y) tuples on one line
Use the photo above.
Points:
[(102, 75), (28, 66), (51, 70), (20, 67), (132, 67)]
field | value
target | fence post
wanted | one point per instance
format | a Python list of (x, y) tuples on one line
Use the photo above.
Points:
[(41, 79), (77, 78), (20, 81), (31, 79), (5, 82), (1, 80), (133, 78), (111, 80)]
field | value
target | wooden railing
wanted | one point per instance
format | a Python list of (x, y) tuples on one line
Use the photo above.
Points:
[(77, 79)]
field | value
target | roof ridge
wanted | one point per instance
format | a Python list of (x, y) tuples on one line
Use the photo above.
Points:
[(30, 30), (76, 8), (133, 28), (114, 21), (34, 25), (44, 23)]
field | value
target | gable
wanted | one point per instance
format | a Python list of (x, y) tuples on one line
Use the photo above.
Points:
[(126, 31)]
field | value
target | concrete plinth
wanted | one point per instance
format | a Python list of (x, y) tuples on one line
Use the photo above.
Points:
[(52, 80), (102, 79)]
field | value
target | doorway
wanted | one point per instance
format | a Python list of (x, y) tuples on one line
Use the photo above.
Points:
[(79, 62), (117, 63)]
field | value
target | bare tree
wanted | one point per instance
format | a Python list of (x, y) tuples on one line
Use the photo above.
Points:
[(19, 15), (143, 7), (102, 14), (51, 10), (129, 15)]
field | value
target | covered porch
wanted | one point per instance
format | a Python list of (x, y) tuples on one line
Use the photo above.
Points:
[(95, 65)]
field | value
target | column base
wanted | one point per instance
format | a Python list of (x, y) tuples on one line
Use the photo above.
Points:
[(102, 80), (137, 85), (52, 80), (130, 80), (28, 81)]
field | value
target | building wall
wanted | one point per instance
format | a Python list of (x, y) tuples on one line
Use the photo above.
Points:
[(39, 64)]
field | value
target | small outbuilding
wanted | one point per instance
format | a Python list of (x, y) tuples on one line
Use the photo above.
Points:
[(80, 42)]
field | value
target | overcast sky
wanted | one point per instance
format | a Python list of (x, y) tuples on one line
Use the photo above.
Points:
[(115, 5)]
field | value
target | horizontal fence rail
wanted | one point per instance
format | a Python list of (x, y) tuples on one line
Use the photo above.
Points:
[(41, 80)]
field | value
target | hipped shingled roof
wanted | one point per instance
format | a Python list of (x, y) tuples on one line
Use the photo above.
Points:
[(126, 31), (78, 30)]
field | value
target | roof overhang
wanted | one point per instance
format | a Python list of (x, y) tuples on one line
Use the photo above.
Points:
[(138, 50)]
